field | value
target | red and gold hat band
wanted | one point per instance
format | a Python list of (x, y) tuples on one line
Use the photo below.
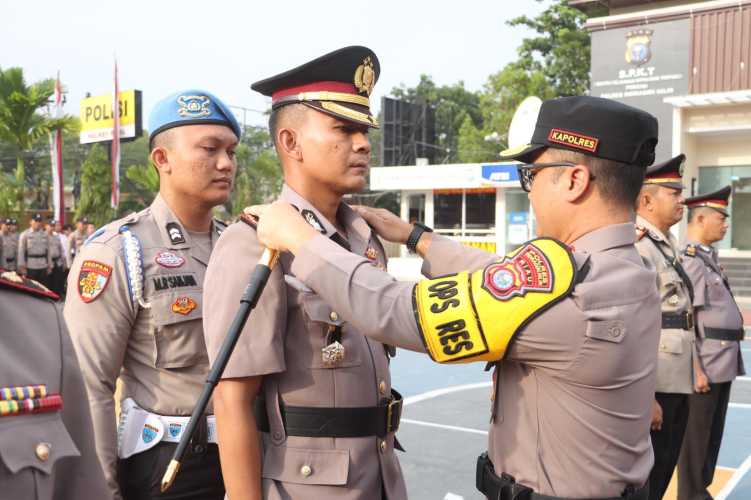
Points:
[(320, 91), (709, 203)]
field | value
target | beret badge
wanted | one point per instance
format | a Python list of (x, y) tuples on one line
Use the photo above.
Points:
[(193, 106)]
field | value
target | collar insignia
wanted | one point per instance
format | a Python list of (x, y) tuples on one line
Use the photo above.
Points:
[(311, 219), (175, 233)]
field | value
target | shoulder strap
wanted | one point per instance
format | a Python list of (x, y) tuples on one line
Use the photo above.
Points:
[(678, 268)]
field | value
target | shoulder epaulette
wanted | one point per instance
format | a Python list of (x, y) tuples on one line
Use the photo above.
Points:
[(640, 232), (249, 219), (14, 281)]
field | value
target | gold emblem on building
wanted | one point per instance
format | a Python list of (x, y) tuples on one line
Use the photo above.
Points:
[(365, 76), (638, 50)]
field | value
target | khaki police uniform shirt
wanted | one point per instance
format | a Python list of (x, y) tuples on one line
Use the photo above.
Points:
[(36, 349), (573, 400), (676, 348), (56, 250), (34, 250), (160, 349), (282, 342), (10, 251), (715, 307), (77, 239)]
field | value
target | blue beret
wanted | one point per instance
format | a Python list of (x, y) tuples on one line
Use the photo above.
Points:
[(190, 107)]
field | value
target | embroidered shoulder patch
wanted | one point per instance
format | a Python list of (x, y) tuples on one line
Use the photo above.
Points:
[(527, 271), (92, 279)]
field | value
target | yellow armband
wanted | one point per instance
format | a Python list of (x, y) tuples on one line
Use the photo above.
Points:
[(467, 317)]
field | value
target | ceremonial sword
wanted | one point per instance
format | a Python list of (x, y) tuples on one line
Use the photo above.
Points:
[(250, 297)]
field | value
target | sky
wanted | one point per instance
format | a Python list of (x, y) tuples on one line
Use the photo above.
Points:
[(222, 46)]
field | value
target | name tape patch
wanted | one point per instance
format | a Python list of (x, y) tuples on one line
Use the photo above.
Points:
[(574, 140)]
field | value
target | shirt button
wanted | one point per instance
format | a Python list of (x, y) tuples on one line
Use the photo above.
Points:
[(306, 471), (382, 387), (615, 331), (334, 316), (384, 446), (42, 451), (277, 435)]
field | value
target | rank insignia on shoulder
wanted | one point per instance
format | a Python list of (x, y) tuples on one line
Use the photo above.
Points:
[(184, 305), (175, 233), (311, 219), (640, 232), (92, 279), (249, 218), (690, 251), (467, 317)]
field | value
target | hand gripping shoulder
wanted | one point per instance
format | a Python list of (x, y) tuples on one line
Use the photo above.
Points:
[(467, 317)]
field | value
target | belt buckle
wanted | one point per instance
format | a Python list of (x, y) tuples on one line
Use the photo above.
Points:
[(393, 415), (689, 320)]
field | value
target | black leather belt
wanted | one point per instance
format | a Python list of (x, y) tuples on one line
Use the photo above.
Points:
[(681, 321), (36, 256), (505, 487), (311, 421), (10, 259), (724, 333)]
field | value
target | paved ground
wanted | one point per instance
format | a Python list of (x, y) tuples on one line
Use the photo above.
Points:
[(446, 420)]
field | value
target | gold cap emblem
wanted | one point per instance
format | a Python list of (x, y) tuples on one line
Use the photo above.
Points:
[(365, 76)]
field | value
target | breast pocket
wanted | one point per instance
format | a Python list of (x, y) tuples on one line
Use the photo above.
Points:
[(320, 320), (306, 466), (178, 329), (30, 446)]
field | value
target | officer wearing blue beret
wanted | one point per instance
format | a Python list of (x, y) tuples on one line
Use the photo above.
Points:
[(134, 306)]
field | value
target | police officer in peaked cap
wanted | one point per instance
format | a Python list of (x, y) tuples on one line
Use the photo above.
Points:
[(568, 320)]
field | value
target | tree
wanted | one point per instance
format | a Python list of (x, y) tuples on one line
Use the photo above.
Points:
[(259, 174), (21, 124), (96, 179), (562, 49), (453, 104)]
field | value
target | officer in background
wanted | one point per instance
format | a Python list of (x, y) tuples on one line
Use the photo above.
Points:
[(571, 333), (57, 255), (9, 246), (78, 236), (46, 439), (134, 305), (12, 265), (720, 327), (660, 206), (303, 364), (34, 258)]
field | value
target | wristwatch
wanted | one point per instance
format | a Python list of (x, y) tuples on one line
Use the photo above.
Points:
[(414, 237)]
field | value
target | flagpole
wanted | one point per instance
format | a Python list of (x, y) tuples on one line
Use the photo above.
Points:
[(56, 158), (115, 145)]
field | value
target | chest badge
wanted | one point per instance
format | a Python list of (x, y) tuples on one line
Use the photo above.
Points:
[(169, 259), (183, 305), (92, 280), (333, 353)]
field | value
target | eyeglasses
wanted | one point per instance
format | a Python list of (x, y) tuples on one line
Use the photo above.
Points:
[(528, 172)]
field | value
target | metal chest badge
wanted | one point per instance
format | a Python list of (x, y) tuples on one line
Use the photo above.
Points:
[(333, 353), (194, 106), (183, 305)]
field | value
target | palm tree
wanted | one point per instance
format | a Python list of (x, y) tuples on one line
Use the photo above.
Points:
[(21, 124)]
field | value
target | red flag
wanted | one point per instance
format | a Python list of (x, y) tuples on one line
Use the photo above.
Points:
[(56, 157), (115, 199)]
